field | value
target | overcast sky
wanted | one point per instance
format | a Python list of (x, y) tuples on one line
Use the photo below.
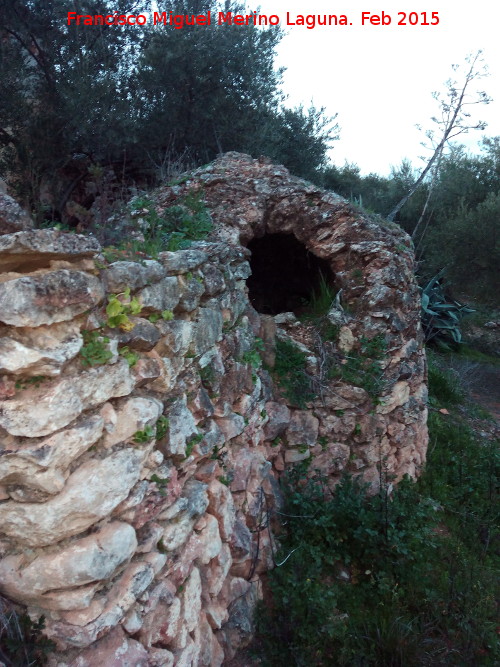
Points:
[(379, 79)]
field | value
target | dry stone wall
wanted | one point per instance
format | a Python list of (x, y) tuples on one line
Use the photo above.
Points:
[(139, 464)]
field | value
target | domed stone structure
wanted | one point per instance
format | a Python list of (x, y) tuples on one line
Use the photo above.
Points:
[(148, 408), (369, 369)]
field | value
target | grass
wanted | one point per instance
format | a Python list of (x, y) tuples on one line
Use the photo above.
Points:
[(476, 355), (290, 372), (406, 580), (445, 390), (362, 368), (321, 300)]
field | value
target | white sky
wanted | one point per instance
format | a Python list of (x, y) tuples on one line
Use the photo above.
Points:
[(379, 79)]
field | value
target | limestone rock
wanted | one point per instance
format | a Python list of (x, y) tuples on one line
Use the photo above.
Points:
[(302, 429), (215, 574), (114, 650), (346, 339), (279, 418), (241, 540), (133, 275), (399, 396), (191, 599), (39, 353), (146, 371), (216, 614), (182, 260), (161, 615), (191, 293), (296, 455), (239, 629), (208, 330), (333, 459), (345, 396), (12, 216), (163, 295), (209, 541), (123, 594), (90, 494), (213, 279), (211, 654), (93, 558), (143, 336), (188, 654), (42, 463), (36, 248), (231, 426), (168, 372), (221, 505), (250, 468), (178, 530), (51, 297), (212, 438), (176, 337), (53, 405), (132, 415), (182, 428), (160, 657)]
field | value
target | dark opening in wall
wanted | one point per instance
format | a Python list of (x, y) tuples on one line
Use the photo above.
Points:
[(285, 275)]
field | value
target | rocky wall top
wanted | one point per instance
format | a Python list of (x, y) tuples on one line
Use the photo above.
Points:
[(377, 301)]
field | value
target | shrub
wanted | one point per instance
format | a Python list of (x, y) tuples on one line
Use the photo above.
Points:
[(444, 389), (441, 316), (407, 578), (176, 227), (21, 640)]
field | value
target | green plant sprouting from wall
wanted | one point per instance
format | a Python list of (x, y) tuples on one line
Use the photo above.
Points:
[(162, 426), (129, 355), (22, 641), (119, 308), (363, 367), (174, 228), (321, 300), (290, 372), (252, 356), (27, 382), (95, 349), (144, 435), (192, 442)]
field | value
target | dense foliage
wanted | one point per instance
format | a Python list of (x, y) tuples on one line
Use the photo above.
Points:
[(460, 230), (404, 578), (140, 102)]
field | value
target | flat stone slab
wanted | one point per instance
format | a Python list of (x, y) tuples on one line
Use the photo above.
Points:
[(34, 248), (56, 296)]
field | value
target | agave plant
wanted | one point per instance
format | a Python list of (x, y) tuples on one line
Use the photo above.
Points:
[(441, 317)]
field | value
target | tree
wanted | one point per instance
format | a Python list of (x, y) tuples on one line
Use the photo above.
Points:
[(120, 102), (216, 89), (454, 119), (64, 90)]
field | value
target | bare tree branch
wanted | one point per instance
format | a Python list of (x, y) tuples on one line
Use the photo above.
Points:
[(452, 123)]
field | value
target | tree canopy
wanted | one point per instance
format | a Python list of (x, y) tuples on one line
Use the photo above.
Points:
[(135, 99)]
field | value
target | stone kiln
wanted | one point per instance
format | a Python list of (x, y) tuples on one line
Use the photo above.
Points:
[(136, 500)]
